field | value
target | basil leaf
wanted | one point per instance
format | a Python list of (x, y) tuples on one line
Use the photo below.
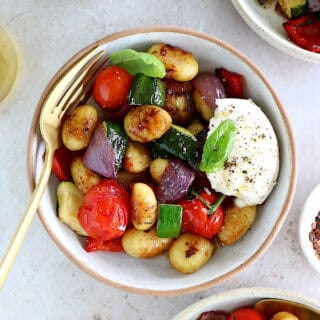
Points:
[(218, 146), (139, 62)]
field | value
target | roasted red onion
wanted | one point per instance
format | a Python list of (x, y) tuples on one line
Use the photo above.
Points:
[(99, 155), (209, 87), (174, 182)]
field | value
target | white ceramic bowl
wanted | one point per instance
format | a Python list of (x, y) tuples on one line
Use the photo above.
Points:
[(156, 276), (309, 211), (233, 299), (267, 23)]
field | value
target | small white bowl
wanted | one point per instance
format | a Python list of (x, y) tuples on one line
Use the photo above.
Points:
[(267, 23), (233, 299), (156, 276), (309, 211)]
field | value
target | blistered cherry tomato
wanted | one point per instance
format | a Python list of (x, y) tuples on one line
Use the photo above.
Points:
[(111, 87), (104, 213), (245, 314), (113, 245), (195, 216)]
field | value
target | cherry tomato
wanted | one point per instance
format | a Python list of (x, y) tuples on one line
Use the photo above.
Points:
[(113, 245), (305, 31), (61, 163), (232, 82), (111, 87), (104, 213), (195, 216), (245, 314)]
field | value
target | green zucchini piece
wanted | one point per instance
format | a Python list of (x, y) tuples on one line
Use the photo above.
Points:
[(147, 90), (70, 200), (177, 142), (169, 220), (118, 139), (294, 8)]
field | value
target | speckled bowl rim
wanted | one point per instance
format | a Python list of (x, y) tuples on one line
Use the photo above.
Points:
[(240, 293), (282, 215), (273, 38)]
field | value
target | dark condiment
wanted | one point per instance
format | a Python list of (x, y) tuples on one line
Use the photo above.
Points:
[(314, 235)]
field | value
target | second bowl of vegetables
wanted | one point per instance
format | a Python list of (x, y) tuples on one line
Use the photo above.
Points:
[(175, 157)]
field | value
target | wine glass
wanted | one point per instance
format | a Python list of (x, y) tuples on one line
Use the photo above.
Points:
[(8, 63)]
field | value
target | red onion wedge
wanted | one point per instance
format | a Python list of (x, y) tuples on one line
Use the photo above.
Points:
[(175, 182), (100, 156), (210, 88)]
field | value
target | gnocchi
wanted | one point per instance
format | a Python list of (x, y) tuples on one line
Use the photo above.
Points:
[(143, 206), (180, 65), (144, 244), (137, 157), (78, 127), (237, 221), (147, 123), (157, 168), (190, 252)]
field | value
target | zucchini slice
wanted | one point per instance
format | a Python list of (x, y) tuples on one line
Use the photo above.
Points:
[(147, 90), (293, 8), (70, 200), (177, 142), (118, 139)]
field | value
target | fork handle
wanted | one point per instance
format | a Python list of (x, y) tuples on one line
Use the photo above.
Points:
[(25, 221)]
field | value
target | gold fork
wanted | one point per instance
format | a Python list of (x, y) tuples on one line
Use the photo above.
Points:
[(71, 88)]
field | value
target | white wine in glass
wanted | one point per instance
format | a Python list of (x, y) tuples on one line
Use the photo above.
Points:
[(8, 63)]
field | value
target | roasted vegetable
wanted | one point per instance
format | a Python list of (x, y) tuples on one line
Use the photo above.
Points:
[(144, 244), (61, 163), (169, 220), (305, 31), (233, 83), (143, 206), (180, 65), (147, 90), (111, 87), (147, 123), (177, 142), (189, 252), (70, 200), (113, 245), (294, 8), (175, 182), (207, 88), (106, 150), (78, 127), (213, 315), (197, 216), (105, 211)]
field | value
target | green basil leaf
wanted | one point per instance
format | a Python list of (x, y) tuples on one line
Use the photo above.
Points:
[(218, 146), (139, 62)]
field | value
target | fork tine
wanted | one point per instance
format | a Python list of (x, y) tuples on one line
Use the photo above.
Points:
[(80, 87), (67, 77), (77, 79)]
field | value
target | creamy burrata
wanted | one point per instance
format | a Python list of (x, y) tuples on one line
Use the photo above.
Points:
[(251, 170)]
